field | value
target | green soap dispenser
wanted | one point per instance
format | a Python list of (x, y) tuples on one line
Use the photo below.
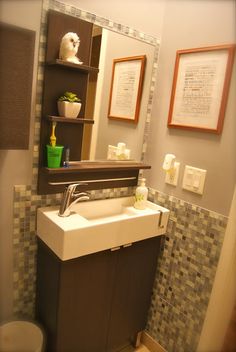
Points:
[(141, 194)]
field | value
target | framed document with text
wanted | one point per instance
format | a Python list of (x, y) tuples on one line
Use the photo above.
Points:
[(200, 88), (126, 88)]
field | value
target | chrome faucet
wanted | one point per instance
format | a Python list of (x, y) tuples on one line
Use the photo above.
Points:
[(70, 197)]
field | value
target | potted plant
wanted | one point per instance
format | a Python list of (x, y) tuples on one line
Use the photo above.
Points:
[(69, 105)]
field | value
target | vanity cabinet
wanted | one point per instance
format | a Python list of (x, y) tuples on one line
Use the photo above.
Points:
[(98, 302)]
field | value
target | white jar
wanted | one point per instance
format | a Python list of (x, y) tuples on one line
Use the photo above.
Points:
[(121, 151)]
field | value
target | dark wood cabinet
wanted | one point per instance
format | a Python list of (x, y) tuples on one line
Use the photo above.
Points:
[(98, 302), (133, 282)]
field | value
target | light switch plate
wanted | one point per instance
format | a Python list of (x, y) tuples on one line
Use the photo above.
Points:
[(172, 177), (194, 179)]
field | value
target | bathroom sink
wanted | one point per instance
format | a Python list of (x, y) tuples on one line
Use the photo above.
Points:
[(99, 225)]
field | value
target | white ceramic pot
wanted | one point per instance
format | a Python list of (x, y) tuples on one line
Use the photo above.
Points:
[(67, 109)]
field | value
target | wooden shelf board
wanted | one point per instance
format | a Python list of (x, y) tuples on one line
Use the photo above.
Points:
[(78, 67), (97, 166), (69, 120)]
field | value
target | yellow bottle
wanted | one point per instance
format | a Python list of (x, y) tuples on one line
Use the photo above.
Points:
[(53, 138)]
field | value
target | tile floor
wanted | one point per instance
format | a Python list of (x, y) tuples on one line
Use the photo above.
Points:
[(142, 348)]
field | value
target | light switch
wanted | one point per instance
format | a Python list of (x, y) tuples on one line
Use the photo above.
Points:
[(189, 178), (194, 179)]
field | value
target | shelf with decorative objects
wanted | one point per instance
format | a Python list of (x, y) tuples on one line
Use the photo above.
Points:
[(62, 119), (66, 64), (63, 75), (93, 175), (97, 166)]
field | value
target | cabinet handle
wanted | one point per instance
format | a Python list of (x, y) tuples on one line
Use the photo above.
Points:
[(127, 245), (115, 248), (160, 221)]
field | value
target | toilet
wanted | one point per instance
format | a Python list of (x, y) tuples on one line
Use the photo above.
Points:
[(21, 336)]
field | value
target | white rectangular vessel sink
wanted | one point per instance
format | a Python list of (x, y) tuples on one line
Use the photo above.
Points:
[(99, 225)]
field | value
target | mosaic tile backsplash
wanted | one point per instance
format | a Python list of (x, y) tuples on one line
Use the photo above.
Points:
[(190, 249), (185, 273)]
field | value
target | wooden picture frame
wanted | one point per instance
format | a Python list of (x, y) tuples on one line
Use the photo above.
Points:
[(126, 88), (200, 88)]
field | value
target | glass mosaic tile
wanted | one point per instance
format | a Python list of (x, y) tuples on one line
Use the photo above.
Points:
[(190, 249)]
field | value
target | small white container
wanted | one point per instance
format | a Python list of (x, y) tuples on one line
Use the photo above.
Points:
[(141, 194), (67, 109), (127, 154), (112, 152), (121, 151), (21, 336)]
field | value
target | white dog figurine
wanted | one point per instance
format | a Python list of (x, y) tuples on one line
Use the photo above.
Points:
[(69, 47)]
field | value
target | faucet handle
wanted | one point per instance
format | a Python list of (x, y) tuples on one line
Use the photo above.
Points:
[(80, 195), (84, 193), (72, 187), (71, 197)]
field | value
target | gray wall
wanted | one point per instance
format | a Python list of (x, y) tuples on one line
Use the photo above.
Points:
[(183, 24), (186, 24), (15, 165), (192, 24)]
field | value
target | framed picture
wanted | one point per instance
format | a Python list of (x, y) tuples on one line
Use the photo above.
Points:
[(126, 88), (200, 88)]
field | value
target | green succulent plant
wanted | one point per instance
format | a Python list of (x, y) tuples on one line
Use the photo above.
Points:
[(70, 97)]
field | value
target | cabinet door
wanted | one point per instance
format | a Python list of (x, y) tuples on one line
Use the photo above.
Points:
[(48, 276), (84, 303), (135, 274)]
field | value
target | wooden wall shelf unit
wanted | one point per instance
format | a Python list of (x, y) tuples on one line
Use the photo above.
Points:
[(61, 119), (95, 175), (82, 68), (59, 77), (98, 166)]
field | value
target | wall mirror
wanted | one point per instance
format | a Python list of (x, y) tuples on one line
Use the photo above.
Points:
[(109, 42), (109, 132)]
